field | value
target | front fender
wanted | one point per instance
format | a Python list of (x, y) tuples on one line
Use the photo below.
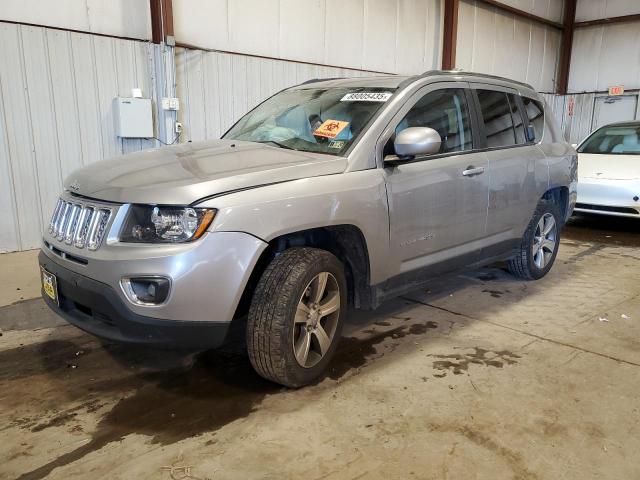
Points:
[(355, 198)]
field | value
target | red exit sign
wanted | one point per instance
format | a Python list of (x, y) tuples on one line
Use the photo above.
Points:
[(617, 90)]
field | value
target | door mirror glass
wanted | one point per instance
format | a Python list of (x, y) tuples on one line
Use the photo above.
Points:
[(414, 141)]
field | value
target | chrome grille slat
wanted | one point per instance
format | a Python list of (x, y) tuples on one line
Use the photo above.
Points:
[(71, 224), (56, 213), (81, 231), (80, 224)]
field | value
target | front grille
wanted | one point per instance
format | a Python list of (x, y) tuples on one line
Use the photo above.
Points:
[(79, 224), (606, 208)]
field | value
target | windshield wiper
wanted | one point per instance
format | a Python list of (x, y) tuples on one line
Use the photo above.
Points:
[(281, 145)]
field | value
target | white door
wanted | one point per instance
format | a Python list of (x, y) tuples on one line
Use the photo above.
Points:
[(614, 109)]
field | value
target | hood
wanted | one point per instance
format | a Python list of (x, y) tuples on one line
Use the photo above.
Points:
[(608, 167), (183, 174)]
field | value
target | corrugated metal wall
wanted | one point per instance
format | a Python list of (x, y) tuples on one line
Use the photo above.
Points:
[(394, 36), (56, 93), (494, 42), (216, 88), (576, 113), (576, 121)]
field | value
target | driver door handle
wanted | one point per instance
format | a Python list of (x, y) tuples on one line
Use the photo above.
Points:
[(471, 171)]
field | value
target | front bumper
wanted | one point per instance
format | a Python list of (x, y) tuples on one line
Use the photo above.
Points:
[(609, 197), (207, 278), (96, 308)]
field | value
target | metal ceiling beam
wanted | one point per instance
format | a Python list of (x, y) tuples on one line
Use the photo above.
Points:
[(566, 45), (450, 34), (608, 21), (521, 13)]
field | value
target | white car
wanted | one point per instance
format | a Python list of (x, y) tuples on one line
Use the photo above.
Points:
[(609, 171)]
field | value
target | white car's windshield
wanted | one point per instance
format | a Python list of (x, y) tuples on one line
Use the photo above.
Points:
[(620, 140), (314, 120)]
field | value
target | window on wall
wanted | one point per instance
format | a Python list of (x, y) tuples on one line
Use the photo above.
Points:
[(518, 124), (445, 111), (535, 114), (498, 121)]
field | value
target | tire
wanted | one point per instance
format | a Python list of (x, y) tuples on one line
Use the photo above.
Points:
[(527, 264), (277, 324)]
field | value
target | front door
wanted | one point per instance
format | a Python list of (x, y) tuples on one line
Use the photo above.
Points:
[(438, 203)]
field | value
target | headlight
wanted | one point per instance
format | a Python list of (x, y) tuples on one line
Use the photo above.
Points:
[(149, 224)]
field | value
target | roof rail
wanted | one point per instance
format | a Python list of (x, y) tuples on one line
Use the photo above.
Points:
[(314, 80), (433, 73)]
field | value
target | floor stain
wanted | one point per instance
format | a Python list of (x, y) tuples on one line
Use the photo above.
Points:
[(213, 390), (354, 353), (486, 276), (458, 363), (495, 293), (514, 459), (175, 405)]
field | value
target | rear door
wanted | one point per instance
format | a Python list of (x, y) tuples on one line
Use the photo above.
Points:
[(437, 203), (512, 168)]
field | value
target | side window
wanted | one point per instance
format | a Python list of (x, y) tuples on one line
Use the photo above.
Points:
[(498, 121), (535, 113), (518, 125), (447, 113)]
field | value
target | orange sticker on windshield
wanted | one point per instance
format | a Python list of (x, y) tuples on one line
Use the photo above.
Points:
[(330, 128)]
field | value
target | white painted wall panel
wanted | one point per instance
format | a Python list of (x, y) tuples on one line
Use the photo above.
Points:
[(490, 41), (596, 9), (344, 33), (301, 26), (254, 25), (549, 9), (604, 56), (125, 18), (394, 36), (217, 88), (56, 93)]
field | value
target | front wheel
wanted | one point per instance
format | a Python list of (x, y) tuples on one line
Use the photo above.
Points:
[(540, 243), (295, 317)]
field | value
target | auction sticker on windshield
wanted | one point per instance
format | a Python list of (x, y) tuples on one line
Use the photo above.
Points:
[(366, 97), (330, 128)]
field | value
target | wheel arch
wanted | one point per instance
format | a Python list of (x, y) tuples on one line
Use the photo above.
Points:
[(560, 196), (346, 242)]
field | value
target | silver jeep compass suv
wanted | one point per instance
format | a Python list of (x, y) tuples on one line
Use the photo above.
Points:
[(329, 195)]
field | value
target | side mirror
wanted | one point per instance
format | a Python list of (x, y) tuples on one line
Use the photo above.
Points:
[(414, 141), (574, 145)]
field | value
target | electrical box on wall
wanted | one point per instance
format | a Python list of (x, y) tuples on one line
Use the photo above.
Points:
[(133, 117)]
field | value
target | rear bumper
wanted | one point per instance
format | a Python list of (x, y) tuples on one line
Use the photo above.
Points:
[(97, 309)]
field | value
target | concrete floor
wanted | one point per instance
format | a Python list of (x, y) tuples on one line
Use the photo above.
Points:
[(481, 376)]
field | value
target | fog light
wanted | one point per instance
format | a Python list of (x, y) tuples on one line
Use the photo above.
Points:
[(146, 290)]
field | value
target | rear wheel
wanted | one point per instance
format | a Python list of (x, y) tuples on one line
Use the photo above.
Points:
[(295, 317), (540, 243)]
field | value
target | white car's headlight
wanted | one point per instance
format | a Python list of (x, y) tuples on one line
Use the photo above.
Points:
[(165, 224)]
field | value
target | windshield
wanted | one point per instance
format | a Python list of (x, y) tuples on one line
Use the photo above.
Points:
[(620, 140), (312, 120)]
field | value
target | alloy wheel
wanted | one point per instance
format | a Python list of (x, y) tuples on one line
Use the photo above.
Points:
[(544, 240), (316, 319)]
